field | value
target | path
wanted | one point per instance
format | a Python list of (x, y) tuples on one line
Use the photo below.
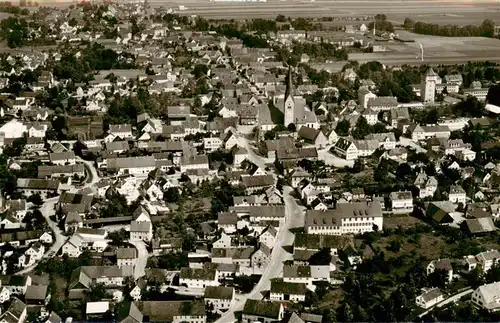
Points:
[(294, 217)]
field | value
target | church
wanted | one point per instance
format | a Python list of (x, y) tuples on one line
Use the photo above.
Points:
[(295, 109)]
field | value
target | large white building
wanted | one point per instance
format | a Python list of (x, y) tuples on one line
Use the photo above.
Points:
[(487, 296), (141, 165), (346, 218), (428, 87)]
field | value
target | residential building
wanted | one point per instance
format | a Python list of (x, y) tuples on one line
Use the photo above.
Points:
[(219, 297), (172, 311), (457, 195), (283, 291), (487, 296), (346, 149), (401, 201), (126, 256), (262, 311), (429, 298), (198, 277), (442, 265)]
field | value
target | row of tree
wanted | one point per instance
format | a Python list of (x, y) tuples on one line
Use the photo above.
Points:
[(486, 29)]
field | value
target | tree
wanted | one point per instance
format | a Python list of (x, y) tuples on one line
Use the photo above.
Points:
[(291, 127), (342, 128), (96, 293), (280, 18), (171, 195), (119, 238), (35, 199), (361, 129), (321, 258)]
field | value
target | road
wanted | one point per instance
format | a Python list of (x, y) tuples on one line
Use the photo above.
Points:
[(47, 210), (142, 258), (94, 176), (450, 299), (294, 218)]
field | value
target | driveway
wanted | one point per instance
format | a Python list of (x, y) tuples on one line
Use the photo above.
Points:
[(294, 217)]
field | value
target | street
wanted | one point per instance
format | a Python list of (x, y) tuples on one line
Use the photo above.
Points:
[(294, 217), (142, 258)]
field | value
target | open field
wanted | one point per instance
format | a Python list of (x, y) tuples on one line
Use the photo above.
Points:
[(437, 50), (459, 12), (435, 11)]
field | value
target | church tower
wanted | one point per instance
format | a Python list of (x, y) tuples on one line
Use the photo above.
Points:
[(289, 109), (428, 88)]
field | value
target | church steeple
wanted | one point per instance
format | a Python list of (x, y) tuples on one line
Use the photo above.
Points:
[(289, 84), (289, 108)]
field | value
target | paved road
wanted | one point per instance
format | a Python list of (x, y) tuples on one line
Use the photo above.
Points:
[(294, 217), (142, 258), (94, 176), (47, 210), (450, 299)]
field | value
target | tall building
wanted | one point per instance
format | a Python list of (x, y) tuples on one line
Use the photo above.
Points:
[(428, 87), (289, 101)]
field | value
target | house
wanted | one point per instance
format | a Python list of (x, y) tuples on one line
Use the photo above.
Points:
[(256, 183), (123, 131), (4, 295), (268, 236), (429, 298), (313, 136), (385, 140), (487, 296), (126, 256), (401, 201), (383, 103), (37, 295), (346, 149), (260, 257), (306, 274), (96, 310), (442, 265), (129, 313), (198, 277), (16, 284), (44, 187), (283, 291), (457, 195), (262, 311), (84, 277), (194, 162), (172, 311), (140, 165), (227, 221), (219, 297), (346, 218), (427, 185), (141, 230), (63, 158), (16, 312)]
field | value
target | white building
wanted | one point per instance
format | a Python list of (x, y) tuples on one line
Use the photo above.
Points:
[(346, 149), (219, 297), (401, 201), (457, 194), (487, 297), (429, 298), (428, 87), (284, 291), (141, 165), (198, 277), (346, 218), (126, 256)]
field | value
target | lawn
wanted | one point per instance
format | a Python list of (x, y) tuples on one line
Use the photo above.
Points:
[(403, 221)]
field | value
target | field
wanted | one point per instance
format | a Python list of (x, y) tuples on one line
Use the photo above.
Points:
[(437, 50), (435, 11)]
